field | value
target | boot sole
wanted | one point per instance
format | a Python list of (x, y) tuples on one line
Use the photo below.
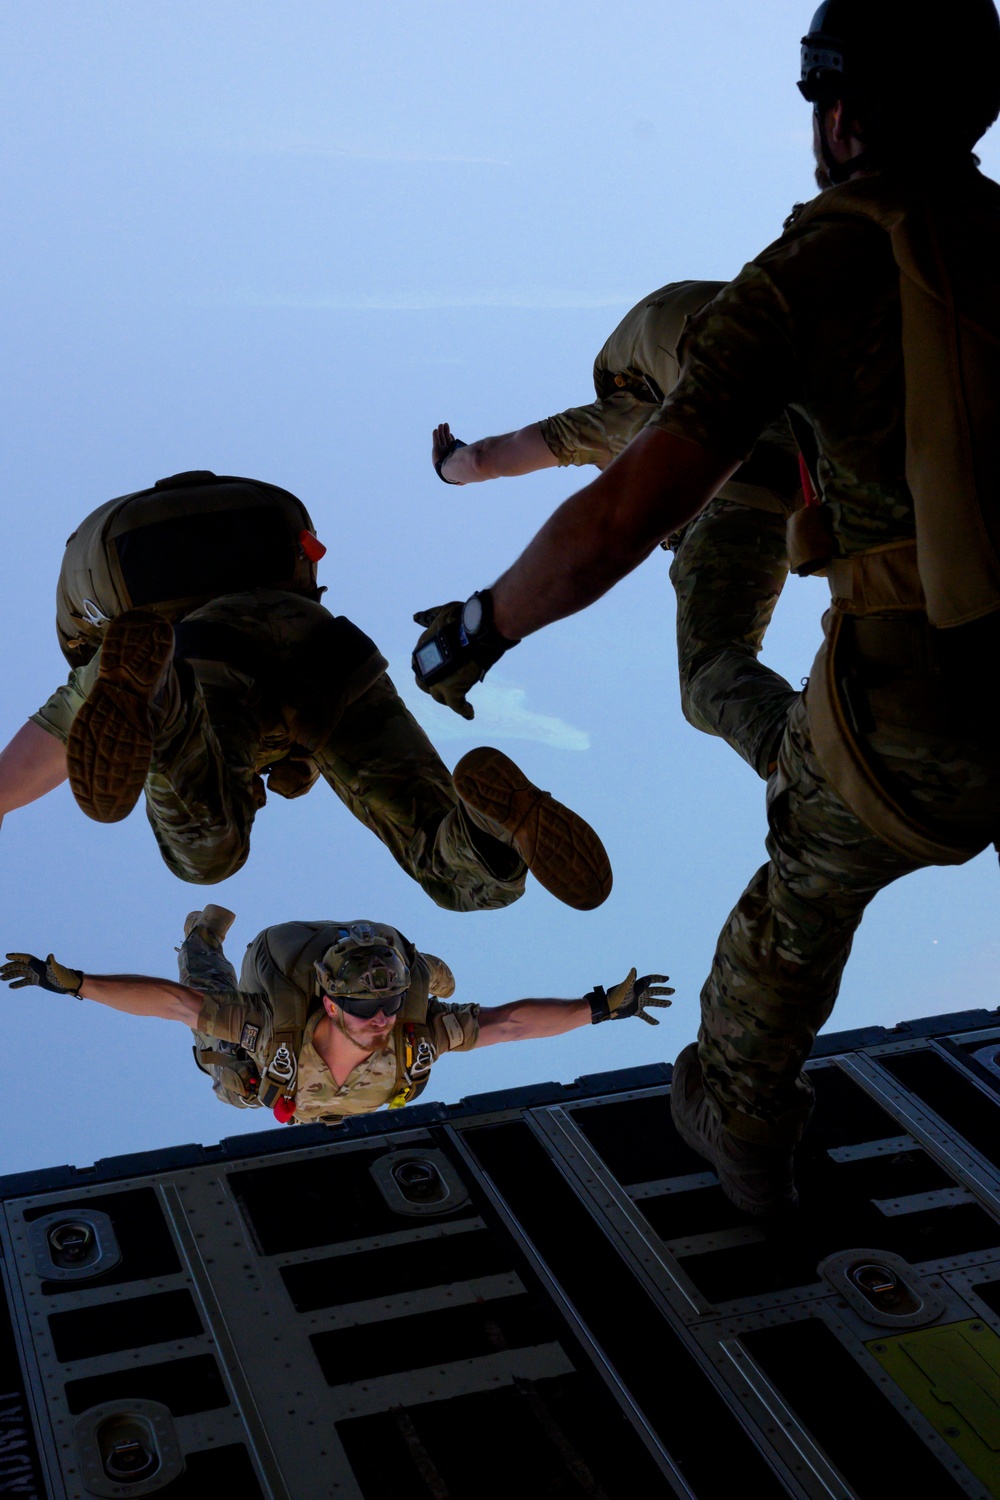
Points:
[(560, 848), (110, 744)]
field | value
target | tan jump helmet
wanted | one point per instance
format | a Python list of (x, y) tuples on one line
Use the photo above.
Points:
[(363, 973)]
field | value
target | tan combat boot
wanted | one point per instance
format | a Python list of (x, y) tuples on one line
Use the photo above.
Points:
[(110, 745), (441, 981), (211, 924), (758, 1179), (561, 850)]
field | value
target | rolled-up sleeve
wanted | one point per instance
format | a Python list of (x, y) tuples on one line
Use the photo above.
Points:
[(57, 714), (236, 1016), (455, 1028), (597, 433)]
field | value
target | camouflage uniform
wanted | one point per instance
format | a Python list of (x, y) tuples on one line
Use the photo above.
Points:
[(814, 324), (223, 722), (729, 567), (730, 564), (318, 1098)]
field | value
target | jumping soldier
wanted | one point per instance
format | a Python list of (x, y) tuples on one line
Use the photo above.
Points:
[(876, 320), (202, 660), (327, 1019), (729, 565)]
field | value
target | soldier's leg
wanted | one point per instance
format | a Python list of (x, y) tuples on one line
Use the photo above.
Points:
[(384, 768), (148, 724), (203, 965), (782, 952), (729, 567), (202, 790), (201, 962)]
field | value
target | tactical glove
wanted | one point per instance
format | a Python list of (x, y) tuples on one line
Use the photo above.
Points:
[(452, 690), (448, 660), (629, 998), (24, 970)]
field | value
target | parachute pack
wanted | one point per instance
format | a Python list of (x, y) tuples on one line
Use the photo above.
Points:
[(189, 539)]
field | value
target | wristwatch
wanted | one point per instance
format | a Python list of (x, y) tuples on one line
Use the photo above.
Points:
[(478, 630), (468, 635)]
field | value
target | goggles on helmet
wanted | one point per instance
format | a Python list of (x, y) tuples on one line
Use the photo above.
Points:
[(364, 1007), (822, 68)]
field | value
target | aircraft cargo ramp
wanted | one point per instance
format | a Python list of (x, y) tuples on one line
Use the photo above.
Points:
[(536, 1294)]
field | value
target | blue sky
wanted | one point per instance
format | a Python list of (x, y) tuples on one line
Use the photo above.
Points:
[(285, 241)]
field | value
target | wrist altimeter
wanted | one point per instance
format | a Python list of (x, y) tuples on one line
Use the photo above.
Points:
[(469, 636)]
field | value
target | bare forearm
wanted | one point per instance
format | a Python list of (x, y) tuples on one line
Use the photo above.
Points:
[(502, 457), (32, 764), (606, 530), (528, 1020), (141, 995)]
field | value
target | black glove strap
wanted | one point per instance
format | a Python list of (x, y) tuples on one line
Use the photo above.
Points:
[(487, 644), (598, 998), (455, 443)]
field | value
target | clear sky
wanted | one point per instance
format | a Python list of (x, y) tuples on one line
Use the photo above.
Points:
[(285, 241)]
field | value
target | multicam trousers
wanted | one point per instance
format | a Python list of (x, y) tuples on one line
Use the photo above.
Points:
[(730, 565), (204, 966), (781, 954), (221, 728)]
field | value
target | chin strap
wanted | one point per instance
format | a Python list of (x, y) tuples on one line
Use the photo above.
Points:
[(338, 1021)]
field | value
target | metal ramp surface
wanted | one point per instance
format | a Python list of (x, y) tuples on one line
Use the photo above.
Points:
[(540, 1293)]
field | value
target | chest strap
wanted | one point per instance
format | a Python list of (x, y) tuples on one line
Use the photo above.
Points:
[(415, 1056)]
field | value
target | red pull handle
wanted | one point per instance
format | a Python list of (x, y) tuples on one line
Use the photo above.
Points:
[(311, 546)]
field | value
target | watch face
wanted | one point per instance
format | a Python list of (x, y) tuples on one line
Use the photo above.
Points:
[(429, 658), (472, 615)]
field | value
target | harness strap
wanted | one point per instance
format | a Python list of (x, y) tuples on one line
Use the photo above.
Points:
[(279, 1078), (885, 578)]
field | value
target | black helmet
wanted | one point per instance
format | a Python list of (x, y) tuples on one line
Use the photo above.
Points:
[(885, 56)]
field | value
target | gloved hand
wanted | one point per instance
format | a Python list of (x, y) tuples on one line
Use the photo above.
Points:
[(451, 690), (24, 970), (629, 998), (457, 649)]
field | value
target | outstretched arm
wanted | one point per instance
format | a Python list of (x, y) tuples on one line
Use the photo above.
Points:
[(141, 995), (32, 764), (501, 457), (606, 530), (135, 994), (525, 1020)]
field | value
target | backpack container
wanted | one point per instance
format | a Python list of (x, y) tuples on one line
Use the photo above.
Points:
[(172, 548)]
